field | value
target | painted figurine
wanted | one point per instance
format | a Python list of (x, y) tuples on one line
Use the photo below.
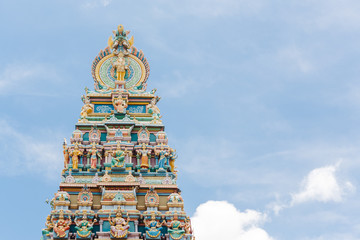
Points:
[(172, 158), (49, 228), (119, 42), (75, 157), (121, 66), (144, 153), (175, 229), (84, 227), (153, 228), (62, 226), (94, 155), (120, 104), (163, 157), (118, 157), (66, 154), (119, 227)]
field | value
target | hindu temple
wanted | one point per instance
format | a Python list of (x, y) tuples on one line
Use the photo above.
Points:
[(119, 176)]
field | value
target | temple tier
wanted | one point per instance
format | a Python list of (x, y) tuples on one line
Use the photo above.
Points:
[(119, 177)]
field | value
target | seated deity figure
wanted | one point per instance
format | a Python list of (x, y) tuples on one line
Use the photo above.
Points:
[(118, 157), (61, 226), (144, 153), (153, 228), (75, 156), (84, 227), (119, 227), (175, 229), (94, 155)]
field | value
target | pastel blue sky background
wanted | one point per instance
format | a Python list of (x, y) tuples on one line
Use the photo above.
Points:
[(260, 99)]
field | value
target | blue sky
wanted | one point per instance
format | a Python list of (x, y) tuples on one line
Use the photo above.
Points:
[(260, 99)]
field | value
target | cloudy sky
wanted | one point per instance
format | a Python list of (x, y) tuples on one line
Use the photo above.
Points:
[(260, 98)]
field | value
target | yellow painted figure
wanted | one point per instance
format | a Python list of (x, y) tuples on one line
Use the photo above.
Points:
[(75, 157)]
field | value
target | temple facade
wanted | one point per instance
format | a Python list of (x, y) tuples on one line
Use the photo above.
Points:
[(119, 177)]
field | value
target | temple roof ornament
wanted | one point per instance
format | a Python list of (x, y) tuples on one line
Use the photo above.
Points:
[(120, 61)]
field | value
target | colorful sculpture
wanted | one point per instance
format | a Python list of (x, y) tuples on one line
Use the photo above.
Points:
[(75, 153), (121, 67), (175, 229), (120, 104), (119, 226), (94, 154), (119, 42), (144, 154), (172, 157), (62, 226), (49, 228), (84, 227), (153, 228), (118, 157)]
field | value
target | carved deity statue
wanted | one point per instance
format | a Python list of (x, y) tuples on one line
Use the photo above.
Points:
[(163, 157), (66, 155), (75, 153), (84, 227), (86, 109), (119, 42), (121, 66), (119, 226), (49, 227), (144, 154), (152, 108), (94, 154), (118, 157), (120, 104), (172, 157), (175, 228), (153, 227), (62, 226)]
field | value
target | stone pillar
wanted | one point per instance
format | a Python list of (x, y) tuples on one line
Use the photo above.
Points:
[(101, 222), (136, 223)]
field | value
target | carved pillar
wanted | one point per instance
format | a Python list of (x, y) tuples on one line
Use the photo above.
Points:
[(136, 223), (101, 222)]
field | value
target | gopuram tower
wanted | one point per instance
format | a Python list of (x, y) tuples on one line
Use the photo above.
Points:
[(119, 177)]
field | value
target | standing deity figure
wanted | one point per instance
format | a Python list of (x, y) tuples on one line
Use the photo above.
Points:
[(172, 158), (120, 104), (188, 228), (86, 109), (75, 156), (94, 155), (62, 226), (163, 157), (118, 157), (66, 154), (119, 227), (121, 66), (84, 227), (175, 229), (153, 228), (119, 42), (144, 153)]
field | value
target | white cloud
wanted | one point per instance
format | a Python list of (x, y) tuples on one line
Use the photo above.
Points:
[(23, 154), (230, 222), (322, 185)]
